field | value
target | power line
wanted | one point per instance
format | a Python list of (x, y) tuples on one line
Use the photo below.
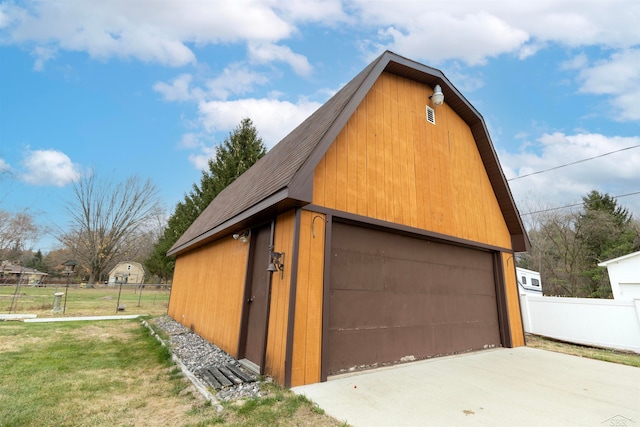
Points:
[(574, 163), (576, 204)]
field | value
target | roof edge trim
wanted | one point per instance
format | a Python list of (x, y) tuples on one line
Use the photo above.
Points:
[(262, 205)]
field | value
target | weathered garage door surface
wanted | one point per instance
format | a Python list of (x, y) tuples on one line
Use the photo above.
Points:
[(393, 296)]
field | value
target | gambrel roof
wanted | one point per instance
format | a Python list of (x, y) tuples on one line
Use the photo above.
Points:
[(283, 178)]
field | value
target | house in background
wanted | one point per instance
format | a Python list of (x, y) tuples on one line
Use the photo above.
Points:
[(380, 230), (12, 273), (529, 281), (130, 272), (624, 276)]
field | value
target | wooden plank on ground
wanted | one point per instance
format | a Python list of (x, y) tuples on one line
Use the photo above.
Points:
[(230, 375), (220, 377), (210, 379), (246, 377)]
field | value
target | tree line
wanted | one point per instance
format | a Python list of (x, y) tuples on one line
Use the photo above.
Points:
[(567, 245)]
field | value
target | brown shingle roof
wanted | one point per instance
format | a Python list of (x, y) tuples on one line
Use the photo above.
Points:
[(283, 178)]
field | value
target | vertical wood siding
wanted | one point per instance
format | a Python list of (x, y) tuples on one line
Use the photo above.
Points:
[(391, 164), (279, 307), (307, 338), (207, 290), (513, 301)]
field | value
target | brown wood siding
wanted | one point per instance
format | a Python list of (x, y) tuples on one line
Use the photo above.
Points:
[(279, 308), (307, 338), (389, 163), (513, 300), (207, 291)]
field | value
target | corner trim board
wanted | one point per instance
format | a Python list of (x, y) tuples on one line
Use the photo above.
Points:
[(326, 285), (293, 285)]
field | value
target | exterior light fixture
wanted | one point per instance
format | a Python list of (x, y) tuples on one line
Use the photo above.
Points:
[(243, 237), (276, 262), (438, 97)]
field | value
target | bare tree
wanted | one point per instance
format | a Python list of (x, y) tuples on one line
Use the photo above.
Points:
[(106, 218), (559, 252), (18, 231)]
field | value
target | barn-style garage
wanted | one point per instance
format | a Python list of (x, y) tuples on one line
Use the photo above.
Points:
[(380, 230)]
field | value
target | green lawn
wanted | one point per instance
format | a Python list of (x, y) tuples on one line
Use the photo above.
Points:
[(113, 373), (88, 374), (84, 301)]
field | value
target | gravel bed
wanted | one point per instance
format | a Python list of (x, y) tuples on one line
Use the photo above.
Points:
[(197, 353)]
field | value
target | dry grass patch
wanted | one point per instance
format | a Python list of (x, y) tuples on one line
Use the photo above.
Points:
[(607, 355)]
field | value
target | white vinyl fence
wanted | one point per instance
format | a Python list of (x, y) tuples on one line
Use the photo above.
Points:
[(596, 322)]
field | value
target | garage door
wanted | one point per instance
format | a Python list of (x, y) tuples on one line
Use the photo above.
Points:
[(394, 297)]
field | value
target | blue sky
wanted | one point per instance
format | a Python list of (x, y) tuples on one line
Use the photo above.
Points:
[(150, 87)]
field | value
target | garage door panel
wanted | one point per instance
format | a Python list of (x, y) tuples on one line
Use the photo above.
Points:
[(354, 309), (401, 276), (357, 271), (393, 296), (366, 241), (394, 345), (353, 271)]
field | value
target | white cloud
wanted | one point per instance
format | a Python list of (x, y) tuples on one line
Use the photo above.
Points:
[(491, 36), (48, 167), (42, 54), (190, 140), (178, 90), (615, 174), (201, 160), (325, 11), (4, 166), (618, 77), (578, 62), (269, 52), (166, 32), (234, 80), (217, 114), (475, 31), (273, 118), (464, 81), (159, 32)]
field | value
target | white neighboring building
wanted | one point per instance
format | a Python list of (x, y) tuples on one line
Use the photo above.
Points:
[(529, 282), (126, 272), (624, 275)]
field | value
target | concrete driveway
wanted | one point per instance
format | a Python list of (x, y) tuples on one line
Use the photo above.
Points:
[(521, 387)]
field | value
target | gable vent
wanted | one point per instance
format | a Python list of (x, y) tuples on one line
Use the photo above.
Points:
[(431, 115)]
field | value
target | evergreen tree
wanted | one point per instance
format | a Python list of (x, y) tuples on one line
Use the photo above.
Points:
[(607, 232), (238, 152), (37, 262)]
